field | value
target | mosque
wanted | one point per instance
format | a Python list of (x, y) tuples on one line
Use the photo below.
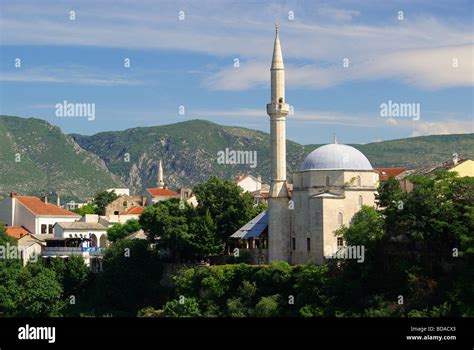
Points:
[(332, 184)]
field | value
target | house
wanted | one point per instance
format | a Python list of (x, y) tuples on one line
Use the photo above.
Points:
[(120, 191), (463, 166), (155, 195), (124, 216), (387, 173), (249, 183), (123, 206), (90, 229), (34, 215), (193, 201), (140, 234), (30, 247), (16, 231)]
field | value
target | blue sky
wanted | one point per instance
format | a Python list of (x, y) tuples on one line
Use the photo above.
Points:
[(190, 63)]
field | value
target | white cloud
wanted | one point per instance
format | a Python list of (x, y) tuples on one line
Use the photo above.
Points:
[(428, 69), (391, 121), (418, 51), (442, 128), (417, 128), (69, 75), (337, 14)]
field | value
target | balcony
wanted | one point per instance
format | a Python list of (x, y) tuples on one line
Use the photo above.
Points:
[(51, 252)]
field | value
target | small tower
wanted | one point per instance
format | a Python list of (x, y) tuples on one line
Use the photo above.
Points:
[(161, 182), (278, 211)]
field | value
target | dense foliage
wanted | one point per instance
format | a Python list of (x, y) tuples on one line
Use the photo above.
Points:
[(120, 231), (418, 261)]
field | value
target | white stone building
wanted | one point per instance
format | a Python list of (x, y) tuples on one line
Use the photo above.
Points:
[(249, 183), (33, 214), (88, 228)]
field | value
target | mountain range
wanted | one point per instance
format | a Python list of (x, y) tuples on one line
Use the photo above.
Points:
[(37, 158)]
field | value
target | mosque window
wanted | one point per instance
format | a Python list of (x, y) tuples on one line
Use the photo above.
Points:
[(340, 242), (340, 218), (361, 200), (280, 100), (308, 244), (293, 243), (359, 181), (327, 181)]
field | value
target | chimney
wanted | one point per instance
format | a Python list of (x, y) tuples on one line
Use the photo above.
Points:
[(143, 201), (455, 159), (45, 199), (58, 201)]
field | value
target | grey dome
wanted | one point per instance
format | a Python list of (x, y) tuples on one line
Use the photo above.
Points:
[(337, 157)]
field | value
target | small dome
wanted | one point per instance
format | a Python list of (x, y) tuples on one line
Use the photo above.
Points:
[(336, 157)]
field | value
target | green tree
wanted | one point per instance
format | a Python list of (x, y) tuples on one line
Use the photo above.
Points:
[(228, 206), (130, 280), (267, 306), (188, 307), (41, 295), (102, 200), (120, 231), (182, 231), (89, 208)]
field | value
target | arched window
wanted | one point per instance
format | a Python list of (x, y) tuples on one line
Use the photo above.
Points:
[(340, 218), (359, 181), (327, 181), (361, 201)]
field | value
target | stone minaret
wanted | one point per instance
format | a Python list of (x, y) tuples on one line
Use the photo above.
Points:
[(161, 182), (277, 109)]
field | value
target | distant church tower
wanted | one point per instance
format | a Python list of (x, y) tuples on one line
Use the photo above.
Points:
[(161, 182), (278, 211)]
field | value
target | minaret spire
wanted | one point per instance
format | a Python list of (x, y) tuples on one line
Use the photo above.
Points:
[(277, 61), (334, 140), (161, 182)]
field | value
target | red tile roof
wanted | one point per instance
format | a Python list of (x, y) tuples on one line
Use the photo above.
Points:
[(162, 192), (38, 207), (16, 231), (134, 211), (386, 173)]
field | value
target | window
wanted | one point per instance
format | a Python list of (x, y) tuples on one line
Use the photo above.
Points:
[(280, 100), (361, 200), (50, 228), (340, 242), (308, 244), (340, 219), (359, 181), (124, 203), (116, 212), (293, 243), (43, 228), (327, 181)]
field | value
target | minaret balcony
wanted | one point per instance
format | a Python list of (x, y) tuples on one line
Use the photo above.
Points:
[(278, 109)]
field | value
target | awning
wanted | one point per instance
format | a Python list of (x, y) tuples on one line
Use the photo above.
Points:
[(254, 228)]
